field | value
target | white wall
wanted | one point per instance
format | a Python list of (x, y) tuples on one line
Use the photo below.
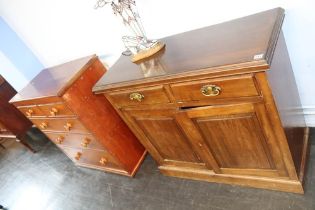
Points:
[(11, 73), (58, 30)]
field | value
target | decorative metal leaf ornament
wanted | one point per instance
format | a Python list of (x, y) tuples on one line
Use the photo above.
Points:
[(137, 42)]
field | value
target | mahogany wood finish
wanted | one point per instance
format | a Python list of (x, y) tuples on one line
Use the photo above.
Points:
[(219, 106), (13, 124), (59, 101)]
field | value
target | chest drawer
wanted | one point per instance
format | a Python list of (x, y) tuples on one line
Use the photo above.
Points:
[(55, 110), (212, 89), (72, 125), (135, 97), (31, 111), (91, 157), (75, 140)]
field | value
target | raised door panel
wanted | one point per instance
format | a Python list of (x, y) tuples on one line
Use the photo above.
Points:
[(164, 138), (236, 139)]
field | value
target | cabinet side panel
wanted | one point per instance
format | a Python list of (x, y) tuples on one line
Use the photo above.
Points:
[(282, 82), (10, 116), (102, 120)]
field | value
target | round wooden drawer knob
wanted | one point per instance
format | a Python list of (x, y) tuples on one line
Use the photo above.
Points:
[(60, 139), (85, 142), (43, 125), (78, 156), (53, 111), (29, 112), (103, 161), (68, 126)]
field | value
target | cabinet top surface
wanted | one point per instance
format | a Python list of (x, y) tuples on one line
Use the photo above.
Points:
[(53, 81), (243, 42)]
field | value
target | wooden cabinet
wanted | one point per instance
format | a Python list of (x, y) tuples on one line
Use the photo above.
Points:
[(220, 107), (59, 101), (13, 124)]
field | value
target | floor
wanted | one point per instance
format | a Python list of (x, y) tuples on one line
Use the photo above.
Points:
[(49, 180)]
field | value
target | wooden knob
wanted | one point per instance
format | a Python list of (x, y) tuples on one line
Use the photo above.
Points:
[(85, 142), (68, 126), (78, 156), (43, 125), (53, 111), (103, 161), (29, 112), (60, 139)]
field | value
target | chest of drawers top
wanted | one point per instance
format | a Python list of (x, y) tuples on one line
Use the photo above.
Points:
[(53, 82), (245, 44)]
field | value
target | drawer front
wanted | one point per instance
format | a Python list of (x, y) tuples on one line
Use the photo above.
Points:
[(55, 110), (71, 125), (86, 141), (136, 97), (91, 157), (218, 88), (31, 111)]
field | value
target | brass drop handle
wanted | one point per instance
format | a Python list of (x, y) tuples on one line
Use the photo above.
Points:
[(29, 112), (43, 125), (103, 161), (60, 139), (78, 156), (53, 111), (136, 96), (68, 126), (85, 142), (210, 90)]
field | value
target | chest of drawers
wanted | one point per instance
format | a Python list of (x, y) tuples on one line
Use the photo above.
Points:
[(217, 105), (59, 101)]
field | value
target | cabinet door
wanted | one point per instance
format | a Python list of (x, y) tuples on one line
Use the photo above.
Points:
[(239, 139), (163, 136)]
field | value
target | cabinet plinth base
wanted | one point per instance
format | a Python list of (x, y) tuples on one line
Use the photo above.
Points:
[(280, 184)]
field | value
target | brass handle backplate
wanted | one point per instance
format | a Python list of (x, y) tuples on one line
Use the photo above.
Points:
[(85, 142), (136, 96), (29, 112), (78, 156), (43, 125), (210, 90), (53, 111), (103, 161), (67, 126)]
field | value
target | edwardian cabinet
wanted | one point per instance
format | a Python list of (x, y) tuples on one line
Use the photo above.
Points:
[(13, 124), (59, 101), (217, 104)]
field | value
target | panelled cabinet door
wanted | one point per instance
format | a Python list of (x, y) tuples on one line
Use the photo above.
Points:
[(161, 133), (237, 140)]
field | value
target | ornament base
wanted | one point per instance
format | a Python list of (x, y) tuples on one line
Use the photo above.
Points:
[(147, 52)]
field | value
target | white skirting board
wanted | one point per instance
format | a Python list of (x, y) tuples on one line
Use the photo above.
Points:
[(309, 113)]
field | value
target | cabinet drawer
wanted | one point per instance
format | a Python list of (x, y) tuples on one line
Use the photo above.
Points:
[(132, 97), (72, 125), (218, 88), (75, 140), (55, 110), (31, 111), (91, 157)]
